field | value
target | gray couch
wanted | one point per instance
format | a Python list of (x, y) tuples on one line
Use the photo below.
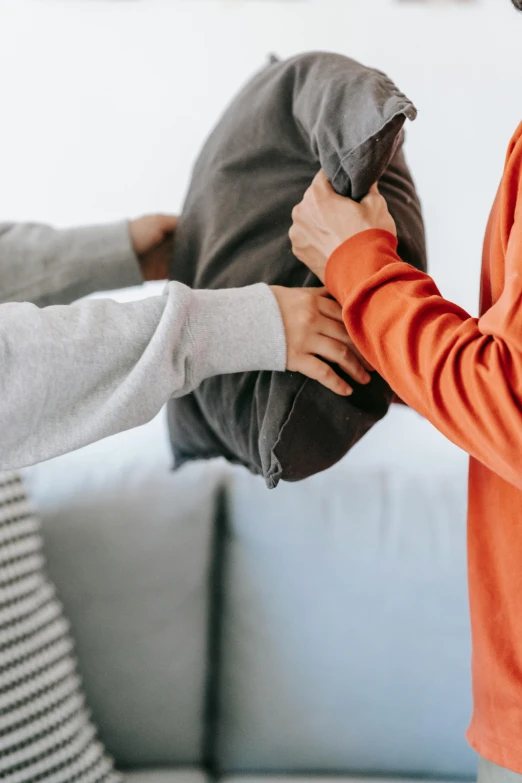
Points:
[(224, 630)]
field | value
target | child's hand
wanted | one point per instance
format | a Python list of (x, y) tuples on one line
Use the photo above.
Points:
[(315, 332), (152, 239)]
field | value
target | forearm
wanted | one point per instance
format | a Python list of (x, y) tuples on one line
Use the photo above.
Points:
[(42, 265), (464, 375), (75, 374)]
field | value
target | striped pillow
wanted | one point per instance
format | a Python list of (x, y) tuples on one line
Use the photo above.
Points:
[(46, 734)]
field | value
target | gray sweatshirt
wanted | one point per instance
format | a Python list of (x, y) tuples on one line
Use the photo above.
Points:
[(72, 374)]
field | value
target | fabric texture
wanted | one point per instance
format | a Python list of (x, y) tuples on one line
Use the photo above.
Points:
[(45, 730), (491, 773), (167, 776), (292, 778), (313, 110), (465, 376), (75, 374)]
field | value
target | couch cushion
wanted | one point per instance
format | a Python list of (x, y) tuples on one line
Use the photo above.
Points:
[(129, 547), (324, 779), (166, 776), (345, 640), (316, 109)]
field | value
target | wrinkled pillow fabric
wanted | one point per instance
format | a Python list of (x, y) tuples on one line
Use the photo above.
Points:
[(314, 110)]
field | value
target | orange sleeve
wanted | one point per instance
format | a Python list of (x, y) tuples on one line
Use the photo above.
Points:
[(463, 374)]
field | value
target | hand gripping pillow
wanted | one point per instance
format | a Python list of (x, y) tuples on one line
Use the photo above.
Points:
[(315, 110)]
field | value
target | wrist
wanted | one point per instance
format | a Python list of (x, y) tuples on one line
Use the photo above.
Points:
[(103, 256), (237, 330), (357, 259)]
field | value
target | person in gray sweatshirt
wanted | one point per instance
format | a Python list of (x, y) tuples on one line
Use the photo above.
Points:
[(75, 373)]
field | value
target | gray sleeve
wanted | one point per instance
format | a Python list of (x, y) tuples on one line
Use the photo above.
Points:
[(42, 265), (74, 374)]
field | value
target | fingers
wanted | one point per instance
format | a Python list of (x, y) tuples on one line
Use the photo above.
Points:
[(168, 223), (322, 183), (330, 308), (320, 180), (330, 327), (334, 351), (321, 292), (327, 327), (365, 363), (372, 197), (333, 326), (317, 370), (330, 323)]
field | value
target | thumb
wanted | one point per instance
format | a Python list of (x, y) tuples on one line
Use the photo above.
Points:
[(372, 194), (322, 182), (321, 178)]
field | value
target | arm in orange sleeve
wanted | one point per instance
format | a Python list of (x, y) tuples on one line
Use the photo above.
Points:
[(464, 375)]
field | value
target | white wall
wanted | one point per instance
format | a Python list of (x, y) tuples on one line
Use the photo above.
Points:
[(104, 104)]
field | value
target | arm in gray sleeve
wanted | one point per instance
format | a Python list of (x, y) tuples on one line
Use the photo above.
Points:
[(74, 374), (42, 265)]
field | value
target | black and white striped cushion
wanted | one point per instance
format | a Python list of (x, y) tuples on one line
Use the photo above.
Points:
[(45, 731)]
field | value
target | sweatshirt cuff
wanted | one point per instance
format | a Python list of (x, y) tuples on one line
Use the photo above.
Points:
[(357, 259), (103, 256), (237, 330)]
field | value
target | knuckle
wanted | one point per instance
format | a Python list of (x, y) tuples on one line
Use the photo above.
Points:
[(325, 373), (337, 384), (295, 241), (345, 355), (309, 317), (311, 308)]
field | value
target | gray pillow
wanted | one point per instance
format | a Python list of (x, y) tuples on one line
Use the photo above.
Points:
[(315, 110)]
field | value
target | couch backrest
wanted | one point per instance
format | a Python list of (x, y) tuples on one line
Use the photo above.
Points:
[(340, 640), (129, 546), (345, 638)]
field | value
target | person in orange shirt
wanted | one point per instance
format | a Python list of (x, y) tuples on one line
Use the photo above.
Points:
[(465, 376)]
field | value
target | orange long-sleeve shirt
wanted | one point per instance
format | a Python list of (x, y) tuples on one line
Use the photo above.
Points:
[(464, 375)]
